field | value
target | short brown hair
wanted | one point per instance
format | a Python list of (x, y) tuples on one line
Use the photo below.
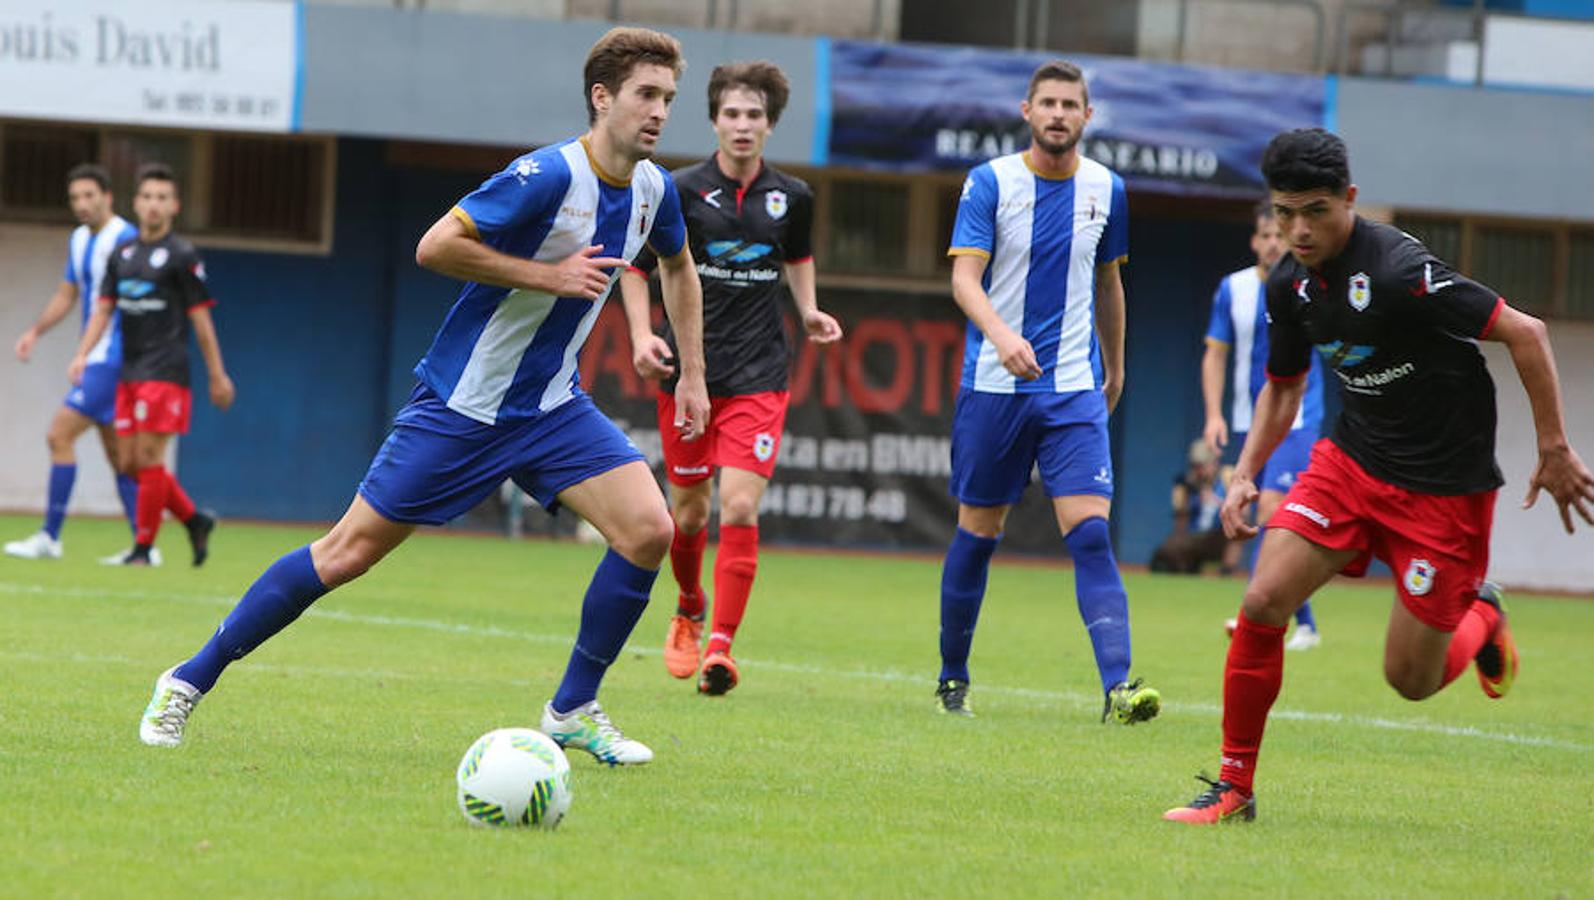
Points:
[(612, 59), (763, 78), (156, 171), (1058, 70)]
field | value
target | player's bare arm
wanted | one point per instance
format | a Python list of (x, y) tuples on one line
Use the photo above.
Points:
[(650, 353), (61, 303), (1110, 325), (92, 332), (683, 303), (1276, 408), (221, 387), (450, 247), (1214, 371), (1559, 470), (1015, 353), (821, 327)]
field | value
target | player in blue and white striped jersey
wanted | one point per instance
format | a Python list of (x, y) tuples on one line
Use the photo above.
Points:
[(1036, 248), (91, 403), (1239, 321), (540, 245)]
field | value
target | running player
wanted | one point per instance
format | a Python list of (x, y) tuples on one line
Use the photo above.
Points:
[(1239, 320), (499, 393), (1408, 474), (91, 404), (747, 222), (1036, 248), (156, 286)]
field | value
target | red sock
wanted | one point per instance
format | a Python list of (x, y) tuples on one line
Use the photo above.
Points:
[(734, 568), (686, 561), (152, 484), (177, 499), (1476, 627), (1251, 680)]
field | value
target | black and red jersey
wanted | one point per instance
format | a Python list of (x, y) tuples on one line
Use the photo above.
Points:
[(1400, 329), (741, 237), (155, 286)]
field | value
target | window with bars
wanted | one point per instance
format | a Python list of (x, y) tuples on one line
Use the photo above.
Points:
[(1544, 269), (270, 189), (34, 160), (1580, 273), (868, 226)]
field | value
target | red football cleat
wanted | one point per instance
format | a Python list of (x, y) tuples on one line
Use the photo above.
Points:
[(1220, 802)]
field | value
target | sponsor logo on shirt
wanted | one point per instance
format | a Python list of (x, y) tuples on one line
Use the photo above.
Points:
[(1371, 382), (712, 198), (575, 212), (1340, 354), (1308, 513), (527, 168), (1419, 577), (1429, 286), (1300, 290), (1361, 291), (148, 304)]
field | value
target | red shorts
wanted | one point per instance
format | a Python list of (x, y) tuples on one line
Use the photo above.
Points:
[(743, 433), (1437, 546), (158, 407)]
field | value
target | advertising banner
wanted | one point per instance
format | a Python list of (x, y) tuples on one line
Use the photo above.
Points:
[(1165, 128), (176, 63)]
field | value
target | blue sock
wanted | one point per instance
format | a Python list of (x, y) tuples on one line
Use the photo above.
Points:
[(275, 599), (127, 489), (1304, 617), (614, 602), (968, 561), (1103, 605), (61, 478)]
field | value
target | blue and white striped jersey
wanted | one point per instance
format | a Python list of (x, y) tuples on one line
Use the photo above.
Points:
[(1044, 238), (86, 253), (1239, 319), (504, 354)]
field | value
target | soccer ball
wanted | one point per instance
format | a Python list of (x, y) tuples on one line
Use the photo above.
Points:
[(514, 776)]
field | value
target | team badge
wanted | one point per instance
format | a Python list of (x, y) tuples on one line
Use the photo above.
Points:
[(1361, 291), (764, 446), (158, 257), (199, 270), (775, 204), (1419, 577)]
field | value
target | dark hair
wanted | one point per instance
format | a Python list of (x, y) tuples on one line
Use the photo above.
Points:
[(90, 172), (1058, 70), (155, 171), (1263, 209), (763, 78), (1306, 159), (617, 53)]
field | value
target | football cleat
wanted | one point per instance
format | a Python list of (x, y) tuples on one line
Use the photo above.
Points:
[(719, 674), (587, 727), (952, 698), (1131, 702), (1497, 659), (1305, 637), (1220, 802), (168, 710), (199, 526), (38, 545), (120, 559), (682, 645)]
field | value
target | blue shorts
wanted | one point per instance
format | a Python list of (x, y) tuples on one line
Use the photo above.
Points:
[(95, 396), (997, 439), (1288, 461), (437, 464)]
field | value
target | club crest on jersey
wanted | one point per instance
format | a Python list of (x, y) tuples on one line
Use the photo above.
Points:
[(1361, 291), (1419, 577), (764, 446), (158, 257), (775, 204)]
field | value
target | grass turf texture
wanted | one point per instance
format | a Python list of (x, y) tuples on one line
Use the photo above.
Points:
[(323, 764)]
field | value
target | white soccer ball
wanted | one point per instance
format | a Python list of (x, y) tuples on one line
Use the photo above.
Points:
[(512, 777)]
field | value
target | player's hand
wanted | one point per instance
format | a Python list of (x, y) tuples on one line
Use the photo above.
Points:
[(1566, 478), (650, 356), (822, 327), (222, 391), (1236, 504), (691, 408), (1112, 387), (1216, 434), (1016, 355), (74, 369), (25, 344), (586, 274)]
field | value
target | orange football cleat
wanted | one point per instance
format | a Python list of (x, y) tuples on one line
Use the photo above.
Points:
[(681, 650), (1220, 802), (719, 674)]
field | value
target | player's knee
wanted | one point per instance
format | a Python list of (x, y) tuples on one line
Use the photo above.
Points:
[(1409, 681), (1089, 539), (692, 515), (1266, 607), (738, 509), (341, 559), (58, 441), (645, 540)]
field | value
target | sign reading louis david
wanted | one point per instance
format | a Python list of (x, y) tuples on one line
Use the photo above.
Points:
[(185, 63), (1169, 128)]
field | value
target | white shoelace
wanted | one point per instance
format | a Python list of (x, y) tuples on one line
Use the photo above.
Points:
[(178, 705)]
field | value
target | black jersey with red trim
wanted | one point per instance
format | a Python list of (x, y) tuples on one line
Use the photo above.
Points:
[(1400, 329), (156, 285), (741, 238)]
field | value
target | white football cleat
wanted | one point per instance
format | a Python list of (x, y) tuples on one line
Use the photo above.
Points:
[(35, 546), (168, 711), (1304, 638), (587, 727), (120, 559)]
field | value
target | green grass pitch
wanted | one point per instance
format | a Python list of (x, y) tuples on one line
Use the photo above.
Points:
[(323, 764)]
